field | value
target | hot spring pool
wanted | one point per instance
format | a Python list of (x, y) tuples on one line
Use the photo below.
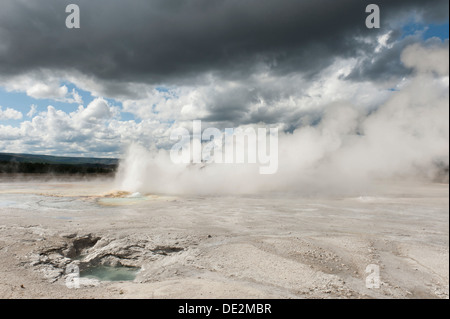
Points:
[(108, 273)]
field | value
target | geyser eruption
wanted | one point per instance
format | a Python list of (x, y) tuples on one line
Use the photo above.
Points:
[(406, 137)]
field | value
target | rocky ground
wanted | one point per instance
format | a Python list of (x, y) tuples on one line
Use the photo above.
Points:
[(277, 246)]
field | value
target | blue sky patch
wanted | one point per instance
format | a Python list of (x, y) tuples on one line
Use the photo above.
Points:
[(427, 30)]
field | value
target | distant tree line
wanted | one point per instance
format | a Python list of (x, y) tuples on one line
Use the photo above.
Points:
[(12, 167)]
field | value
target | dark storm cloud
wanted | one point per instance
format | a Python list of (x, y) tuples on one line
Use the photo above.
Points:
[(387, 64), (163, 41), (384, 65)]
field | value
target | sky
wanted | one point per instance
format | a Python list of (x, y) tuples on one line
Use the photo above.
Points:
[(135, 70)]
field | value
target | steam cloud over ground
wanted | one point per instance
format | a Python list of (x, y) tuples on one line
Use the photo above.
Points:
[(405, 137)]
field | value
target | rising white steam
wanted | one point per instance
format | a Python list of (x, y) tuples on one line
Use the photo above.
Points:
[(407, 137)]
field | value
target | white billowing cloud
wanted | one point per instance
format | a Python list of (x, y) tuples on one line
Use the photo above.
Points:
[(260, 98), (94, 130), (164, 105), (33, 110), (76, 98), (427, 59), (10, 114), (406, 136), (45, 91), (383, 42), (41, 85), (96, 110)]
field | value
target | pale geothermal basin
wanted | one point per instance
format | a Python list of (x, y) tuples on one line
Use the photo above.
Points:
[(246, 246)]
